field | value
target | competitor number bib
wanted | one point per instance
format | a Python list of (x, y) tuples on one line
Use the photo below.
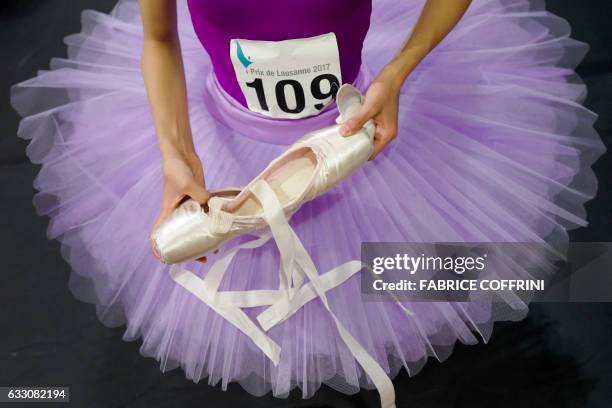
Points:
[(288, 79)]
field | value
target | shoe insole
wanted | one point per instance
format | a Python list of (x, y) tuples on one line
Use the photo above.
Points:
[(288, 180)]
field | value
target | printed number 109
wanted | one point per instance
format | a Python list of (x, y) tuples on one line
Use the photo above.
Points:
[(296, 87)]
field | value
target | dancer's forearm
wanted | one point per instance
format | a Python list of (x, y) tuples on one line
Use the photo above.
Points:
[(381, 104), (437, 19), (163, 73)]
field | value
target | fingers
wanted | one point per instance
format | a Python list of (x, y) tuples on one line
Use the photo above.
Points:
[(355, 123), (378, 146), (381, 139), (154, 250), (198, 193)]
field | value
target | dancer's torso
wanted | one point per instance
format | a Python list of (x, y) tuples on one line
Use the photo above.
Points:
[(250, 71)]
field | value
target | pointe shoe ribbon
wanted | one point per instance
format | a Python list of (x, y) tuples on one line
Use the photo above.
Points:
[(220, 220), (295, 258), (337, 157)]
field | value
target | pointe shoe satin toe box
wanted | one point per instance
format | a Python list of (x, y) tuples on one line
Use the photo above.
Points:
[(190, 232)]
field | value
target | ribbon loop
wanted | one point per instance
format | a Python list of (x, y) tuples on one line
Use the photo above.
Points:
[(221, 221), (289, 298)]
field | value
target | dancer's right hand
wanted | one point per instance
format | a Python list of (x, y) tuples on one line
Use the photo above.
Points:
[(183, 176)]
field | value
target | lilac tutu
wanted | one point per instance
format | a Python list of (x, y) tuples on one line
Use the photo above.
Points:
[(493, 145)]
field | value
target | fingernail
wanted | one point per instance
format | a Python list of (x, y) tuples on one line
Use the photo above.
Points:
[(345, 130)]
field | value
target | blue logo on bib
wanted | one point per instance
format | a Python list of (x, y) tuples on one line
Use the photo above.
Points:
[(244, 60)]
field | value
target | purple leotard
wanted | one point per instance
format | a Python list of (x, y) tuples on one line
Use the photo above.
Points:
[(217, 22)]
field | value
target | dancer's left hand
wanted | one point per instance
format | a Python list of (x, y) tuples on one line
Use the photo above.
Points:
[(381, 104)]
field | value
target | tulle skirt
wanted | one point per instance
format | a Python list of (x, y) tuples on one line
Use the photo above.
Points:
[(493, 145)]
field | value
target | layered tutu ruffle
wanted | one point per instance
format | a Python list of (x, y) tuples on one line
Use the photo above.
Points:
[(493, 145)]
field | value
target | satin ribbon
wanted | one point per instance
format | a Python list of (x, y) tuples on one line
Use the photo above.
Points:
[(291, 296)]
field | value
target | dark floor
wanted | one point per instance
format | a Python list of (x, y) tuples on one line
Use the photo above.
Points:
[(561, 356)]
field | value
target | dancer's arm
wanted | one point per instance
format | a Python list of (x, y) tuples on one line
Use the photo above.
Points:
[(437, 19), (162, 69)]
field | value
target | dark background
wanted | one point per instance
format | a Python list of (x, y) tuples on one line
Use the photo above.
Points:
[(560, 356)]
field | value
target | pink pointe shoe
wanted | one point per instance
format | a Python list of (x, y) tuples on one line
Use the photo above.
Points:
[(311, 166)]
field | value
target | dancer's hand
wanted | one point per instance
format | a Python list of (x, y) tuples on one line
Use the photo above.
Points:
[(381, 104), (183, 176)]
